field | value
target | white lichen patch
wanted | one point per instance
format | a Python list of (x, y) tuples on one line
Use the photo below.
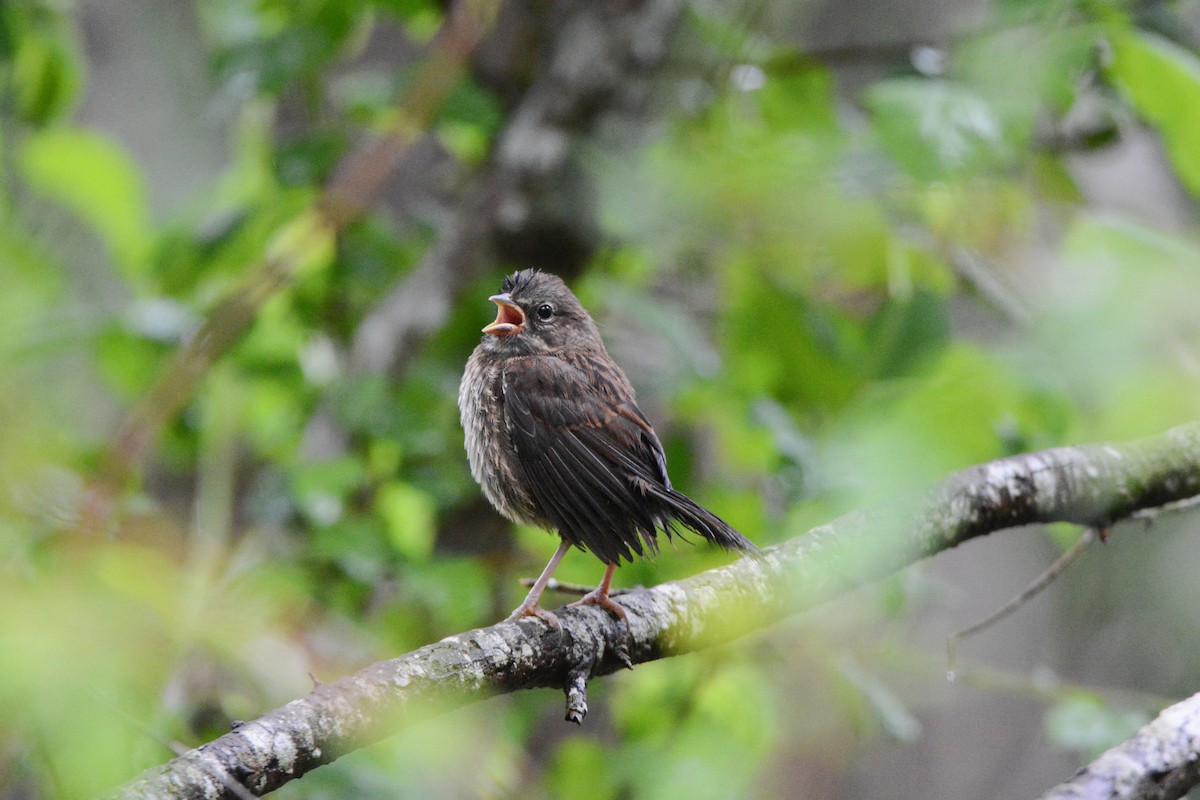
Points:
[(1002, 473), (677, 600), (285, 752), (405, 675), (261, 741)]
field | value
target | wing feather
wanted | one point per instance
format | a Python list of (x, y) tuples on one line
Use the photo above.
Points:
[(593, 464), (587, 452)]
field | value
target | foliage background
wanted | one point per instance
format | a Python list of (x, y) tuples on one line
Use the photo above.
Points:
[(841, 249)]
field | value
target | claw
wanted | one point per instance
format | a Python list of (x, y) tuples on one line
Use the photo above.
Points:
[(602, 599), (534, 610), (600, 596)]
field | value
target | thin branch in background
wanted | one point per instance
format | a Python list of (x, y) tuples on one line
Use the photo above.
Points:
[(1069, 557), (555, 585), (352, 190), (979, 274)]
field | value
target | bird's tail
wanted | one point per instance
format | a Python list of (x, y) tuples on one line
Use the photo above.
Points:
[(696, 517)]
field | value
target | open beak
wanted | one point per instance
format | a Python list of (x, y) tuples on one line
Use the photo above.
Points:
[(510, 318)]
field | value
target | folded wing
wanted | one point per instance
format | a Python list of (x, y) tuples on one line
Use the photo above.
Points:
[(594, 464)]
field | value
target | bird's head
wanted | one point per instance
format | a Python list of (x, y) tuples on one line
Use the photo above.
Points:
[(538, 314)]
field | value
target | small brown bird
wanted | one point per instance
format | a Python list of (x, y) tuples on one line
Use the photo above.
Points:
[(556, 439)]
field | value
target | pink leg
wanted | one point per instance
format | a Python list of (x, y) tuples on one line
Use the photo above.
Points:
[(529, 607), (599, 596)]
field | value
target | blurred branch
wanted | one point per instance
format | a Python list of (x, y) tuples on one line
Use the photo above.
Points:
[(600, 59), (1159, 762), (1093, 485), (352, 189)]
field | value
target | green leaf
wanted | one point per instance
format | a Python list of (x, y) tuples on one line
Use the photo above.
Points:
[(42, 63), (320, 487), (905, 332), (96, 180), (1162, 82), (582, 768), (355, 544), (934, 127), (409, 516), (1086, 723), (798, 95), (127, 362)]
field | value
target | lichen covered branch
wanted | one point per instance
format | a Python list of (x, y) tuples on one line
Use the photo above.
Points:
[(1094, 485)]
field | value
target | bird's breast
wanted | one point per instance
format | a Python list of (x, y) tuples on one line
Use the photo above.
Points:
[(490, 449)]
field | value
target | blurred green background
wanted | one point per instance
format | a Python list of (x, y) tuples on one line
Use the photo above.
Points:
[(841, 248)]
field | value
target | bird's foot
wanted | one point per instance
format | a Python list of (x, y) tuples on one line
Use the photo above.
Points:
[(598, 598), (528, 609)]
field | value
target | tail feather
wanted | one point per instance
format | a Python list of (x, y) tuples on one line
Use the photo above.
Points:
[(696, 517)]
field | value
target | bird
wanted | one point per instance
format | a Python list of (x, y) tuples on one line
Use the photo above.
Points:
[(556, 440)]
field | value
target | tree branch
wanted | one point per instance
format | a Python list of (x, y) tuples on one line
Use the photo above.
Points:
[(602, 58), (1093, 485), (1159, 762)]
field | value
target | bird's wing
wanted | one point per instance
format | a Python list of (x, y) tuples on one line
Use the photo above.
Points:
[(590, 459)]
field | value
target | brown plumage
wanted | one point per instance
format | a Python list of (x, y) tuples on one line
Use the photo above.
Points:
[(556, 440)]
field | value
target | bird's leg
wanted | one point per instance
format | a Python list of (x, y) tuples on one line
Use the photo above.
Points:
[(600, 596), (529, 607)]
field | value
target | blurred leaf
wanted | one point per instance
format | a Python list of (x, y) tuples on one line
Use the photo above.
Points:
[(1162, 81), (1055, 56), (451, 594), (797, 95), (49, 629), (94, 178), (582, 768), (933, 127), (359, 546), (275, 414), (128, 363), (321, 487), (32, 287), (466, 141), (409, 515), (738, 701), (273, 44), (422, 18), (905, 333), (1088, 724), (902, 434), (786, 346), (38, 61)]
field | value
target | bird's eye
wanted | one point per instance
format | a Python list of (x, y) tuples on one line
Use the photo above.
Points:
[(545, 311)]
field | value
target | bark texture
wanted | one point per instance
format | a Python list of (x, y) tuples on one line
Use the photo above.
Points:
[(1095, 485), (1161, 761)]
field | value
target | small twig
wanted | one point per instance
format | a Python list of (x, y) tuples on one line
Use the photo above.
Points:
[(1040, 583), (576, 690), (976, 271), (1151, 514)]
